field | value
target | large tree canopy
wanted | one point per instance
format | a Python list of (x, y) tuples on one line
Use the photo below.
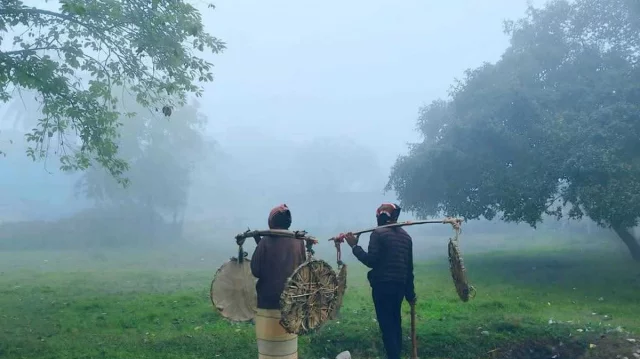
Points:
[(556, 121), (163, 154), (73, 57)]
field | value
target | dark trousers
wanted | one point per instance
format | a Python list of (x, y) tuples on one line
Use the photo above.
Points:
[(387, 299)]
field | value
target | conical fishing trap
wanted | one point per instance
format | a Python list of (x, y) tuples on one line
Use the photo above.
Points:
[(456, 265)]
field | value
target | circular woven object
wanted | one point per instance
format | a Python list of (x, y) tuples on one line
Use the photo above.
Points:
[(458, 272), (309, 297), (342, 288), (233, 291)]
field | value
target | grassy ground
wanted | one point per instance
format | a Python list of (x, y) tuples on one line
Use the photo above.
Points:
[(534, 305)]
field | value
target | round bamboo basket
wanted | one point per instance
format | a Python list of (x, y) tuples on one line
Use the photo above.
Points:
[(233, 291), (309, 298)]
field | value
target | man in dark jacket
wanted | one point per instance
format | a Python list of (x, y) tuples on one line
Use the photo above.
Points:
[(390, 257)]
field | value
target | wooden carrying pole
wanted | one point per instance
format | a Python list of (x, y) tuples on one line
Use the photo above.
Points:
[(414, 341), (302, 235), (453, 221)]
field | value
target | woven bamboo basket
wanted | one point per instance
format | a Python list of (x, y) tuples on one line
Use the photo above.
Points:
[(458, 271), (309, 298)]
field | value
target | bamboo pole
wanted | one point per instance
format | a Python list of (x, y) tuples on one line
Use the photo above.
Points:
[(302, 235), (456, 222)]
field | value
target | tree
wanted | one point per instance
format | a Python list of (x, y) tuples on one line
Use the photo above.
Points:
[(555, 123), (162, 154), (75, 56)]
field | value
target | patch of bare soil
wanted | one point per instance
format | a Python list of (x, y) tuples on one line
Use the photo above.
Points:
[(604, 347)]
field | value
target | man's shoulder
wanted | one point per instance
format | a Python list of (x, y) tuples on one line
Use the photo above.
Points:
[(390, 231), (395, 232), (379, 232), (404, 232)]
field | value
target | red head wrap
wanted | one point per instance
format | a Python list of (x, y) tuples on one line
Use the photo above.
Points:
[(280, 217)]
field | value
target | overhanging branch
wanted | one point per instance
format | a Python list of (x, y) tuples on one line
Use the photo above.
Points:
[(34, 11), (20, 52)]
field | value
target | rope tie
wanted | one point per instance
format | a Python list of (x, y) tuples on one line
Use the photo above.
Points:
[(338, 253), (240, 254), (310, 250)]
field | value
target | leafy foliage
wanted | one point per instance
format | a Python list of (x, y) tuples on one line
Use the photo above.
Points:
[(75, 56), (162, 154), (555, 122)]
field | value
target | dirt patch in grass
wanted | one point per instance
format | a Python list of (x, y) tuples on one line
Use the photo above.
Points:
[(541, 348), (591, 347)]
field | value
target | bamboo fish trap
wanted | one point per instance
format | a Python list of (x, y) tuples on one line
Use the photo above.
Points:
[(310, 296), (233, 293), (308, 300), (456, 265)]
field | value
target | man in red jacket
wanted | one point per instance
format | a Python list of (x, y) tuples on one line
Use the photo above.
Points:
[(390, 257)]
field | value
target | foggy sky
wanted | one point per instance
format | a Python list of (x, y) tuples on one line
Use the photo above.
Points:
[(360, 69), (355, 68)]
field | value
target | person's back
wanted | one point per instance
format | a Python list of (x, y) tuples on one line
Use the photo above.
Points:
[(276, 259), (273, 262), (395, 262)]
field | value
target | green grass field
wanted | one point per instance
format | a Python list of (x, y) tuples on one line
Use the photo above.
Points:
[(152, 305)]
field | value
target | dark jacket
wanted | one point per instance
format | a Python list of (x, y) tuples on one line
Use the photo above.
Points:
[(390, 257), (273, 262)]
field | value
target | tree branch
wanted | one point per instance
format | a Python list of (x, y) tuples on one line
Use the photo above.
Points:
[(19, 52), (35, 11)]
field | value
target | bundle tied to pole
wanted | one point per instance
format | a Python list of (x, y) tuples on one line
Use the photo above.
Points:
[(456, 265), (233, 293), (342, 281)]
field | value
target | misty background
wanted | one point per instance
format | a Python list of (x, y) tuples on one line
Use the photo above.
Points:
[(311, 105)]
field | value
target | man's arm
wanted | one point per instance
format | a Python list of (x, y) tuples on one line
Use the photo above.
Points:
[(372, 258), (256, 260), (410, 292)]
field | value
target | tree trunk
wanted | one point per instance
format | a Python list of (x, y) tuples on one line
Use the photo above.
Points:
[(629, 240)]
